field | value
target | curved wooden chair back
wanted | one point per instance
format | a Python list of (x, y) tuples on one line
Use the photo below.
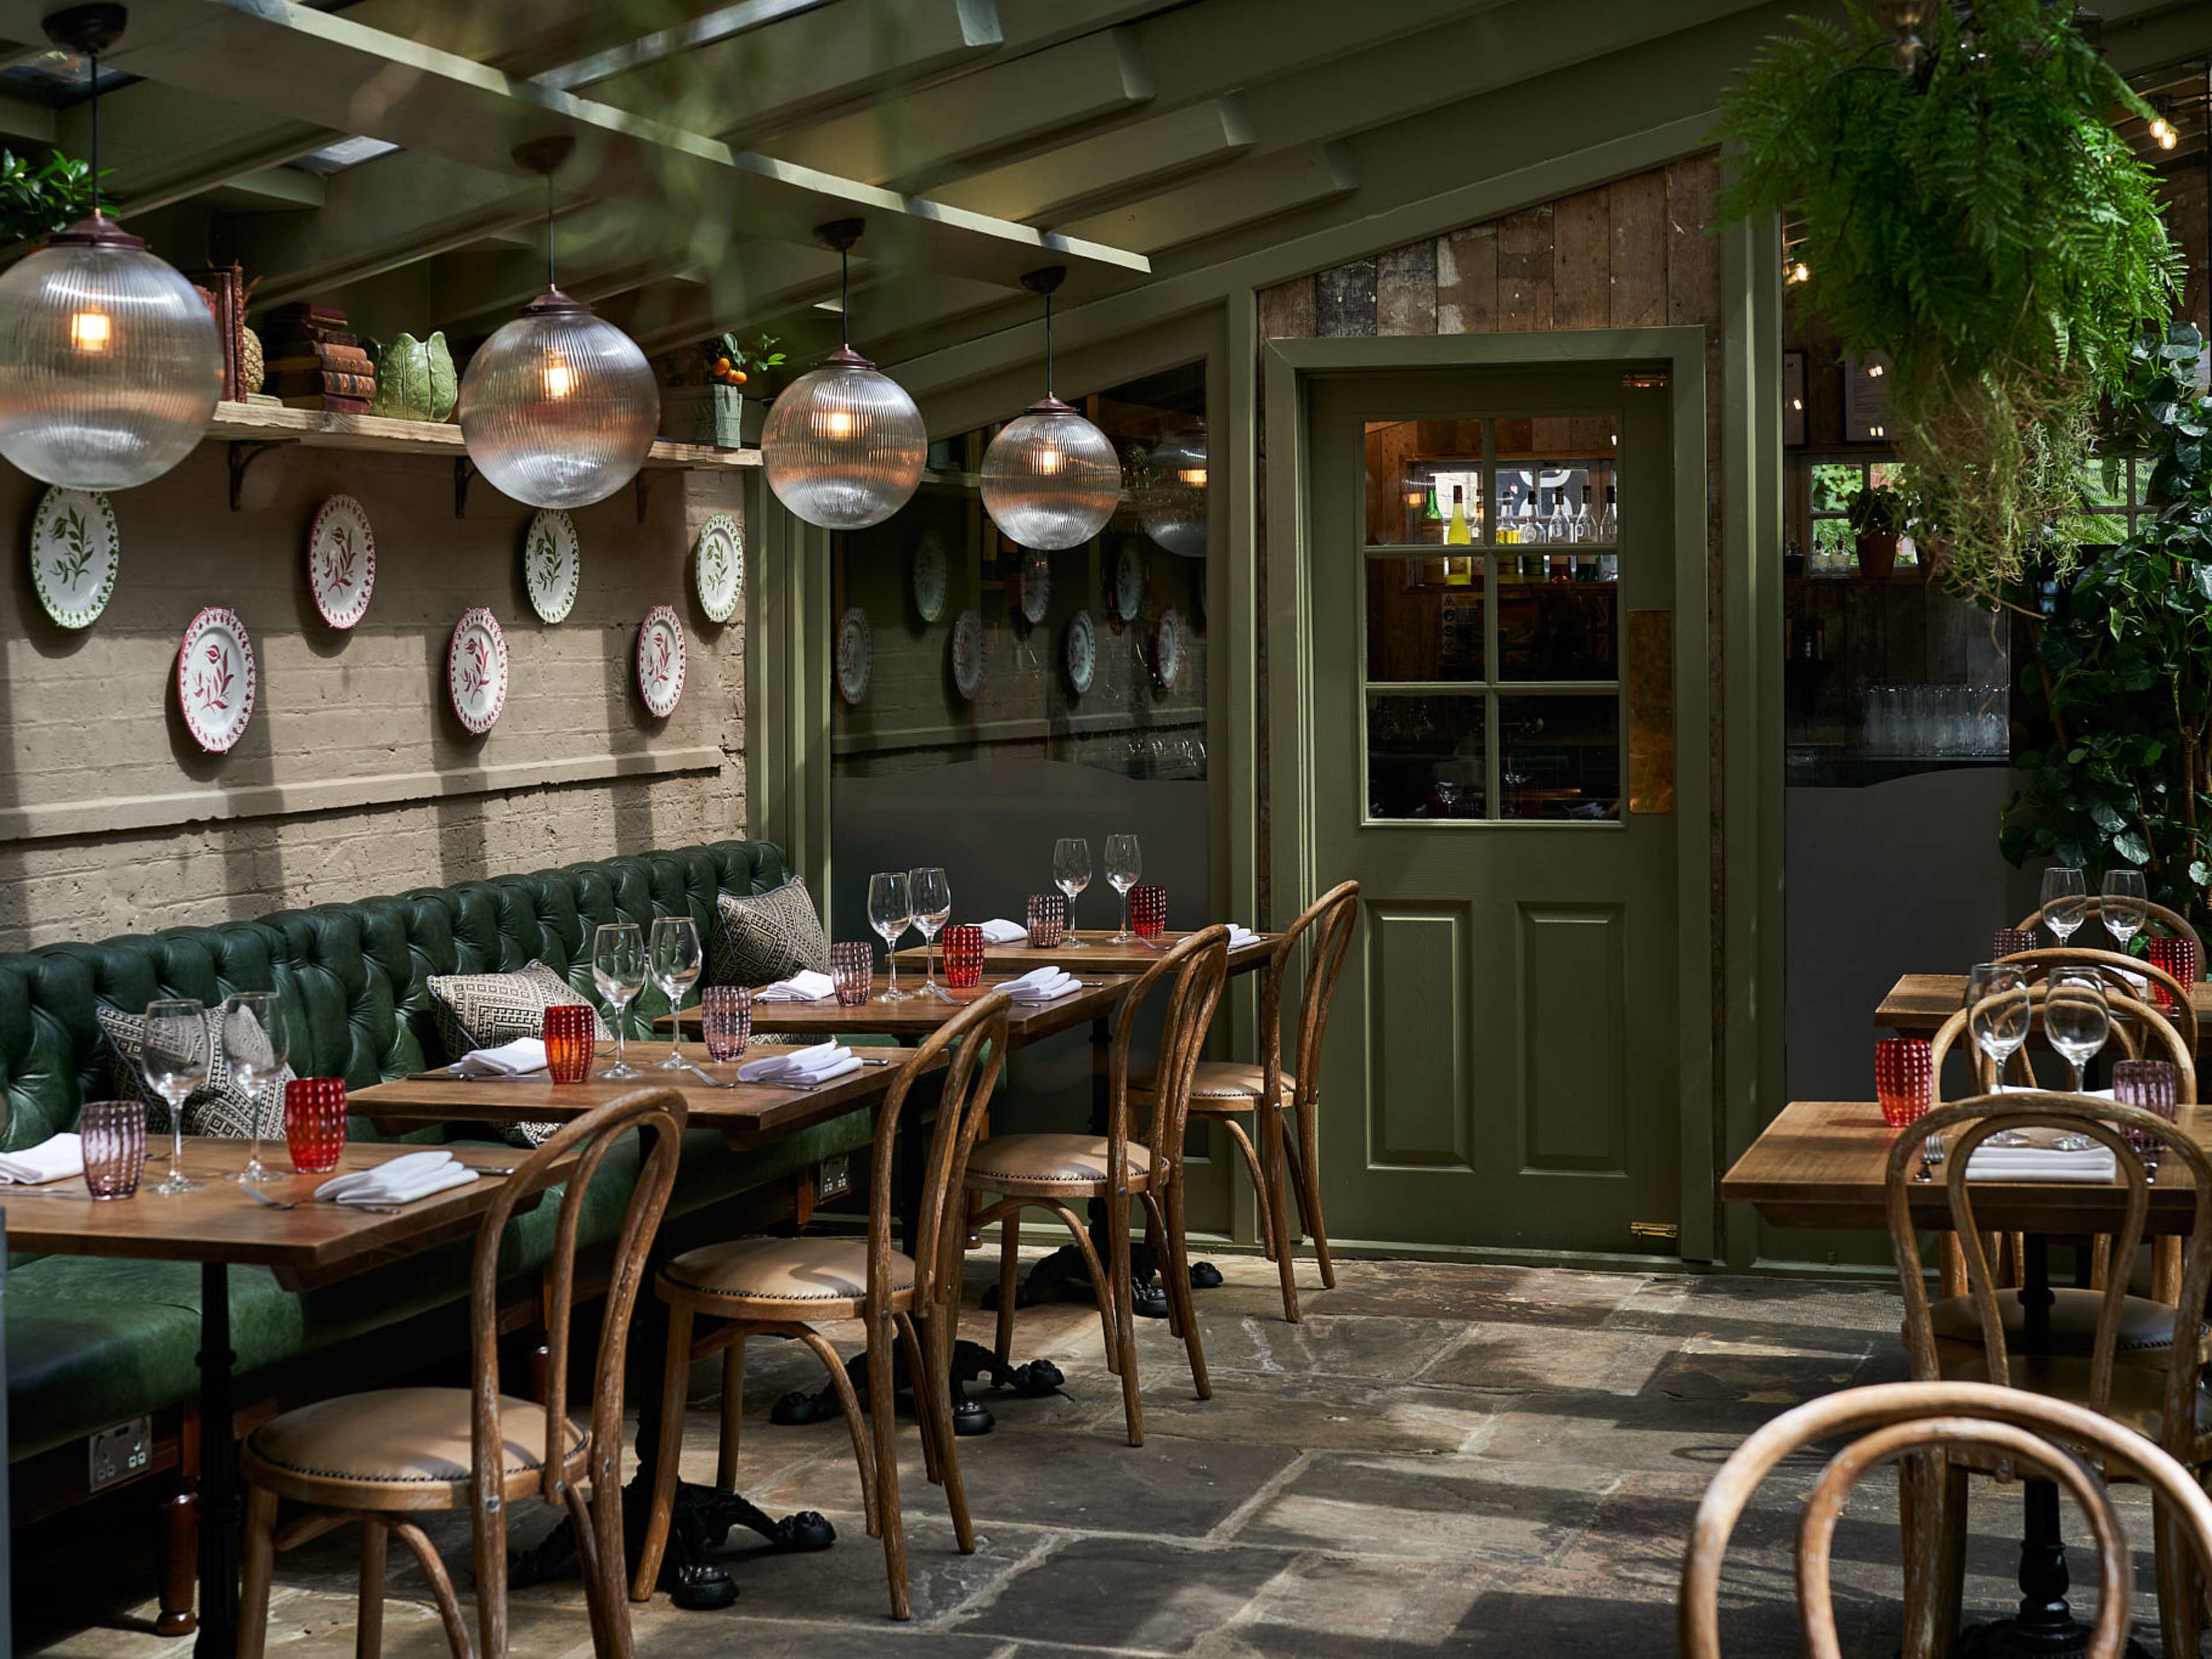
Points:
[(1949, 1035), (977, 1038), (1194, 971), (1331, 918), (2158, 916), (1896, 1419), (2144, 1032), (2103, 1121), (2116, 970)]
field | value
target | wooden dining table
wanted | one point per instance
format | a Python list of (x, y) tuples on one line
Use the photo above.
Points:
[(219, 1226), (1918, 1004)]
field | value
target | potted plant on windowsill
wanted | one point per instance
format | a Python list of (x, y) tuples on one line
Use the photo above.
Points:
[(1876, 515)]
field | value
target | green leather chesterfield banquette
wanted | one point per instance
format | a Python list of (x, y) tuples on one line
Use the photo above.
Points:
[(94, 1342)]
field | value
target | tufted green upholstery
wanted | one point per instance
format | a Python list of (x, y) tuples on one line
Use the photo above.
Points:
[(91, 1342)]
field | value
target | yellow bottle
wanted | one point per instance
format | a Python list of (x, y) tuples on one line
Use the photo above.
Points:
[(1456, 533)]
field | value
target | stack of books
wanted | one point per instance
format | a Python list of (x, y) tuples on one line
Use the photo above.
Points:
[(315, 362)]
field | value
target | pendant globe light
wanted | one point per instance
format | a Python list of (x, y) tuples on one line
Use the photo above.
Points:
[(1051, 479), (1171, 505), (843, 446), (110, 364), (559, 407)]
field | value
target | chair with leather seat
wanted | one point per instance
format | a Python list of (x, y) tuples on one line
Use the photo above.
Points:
[(783, 1286), (2165, 1403), (383, 1457), (1052, 1172), (1284, 1167)]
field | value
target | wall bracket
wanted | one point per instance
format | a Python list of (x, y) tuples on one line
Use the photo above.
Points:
[(642, 486), (464, 470), (243, 451)]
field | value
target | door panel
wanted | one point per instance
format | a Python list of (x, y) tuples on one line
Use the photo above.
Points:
[(1479, 616)]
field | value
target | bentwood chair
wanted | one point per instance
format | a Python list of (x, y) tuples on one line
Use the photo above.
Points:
[(2165, 1405), (2128, 976), (1223, 1091), (1051, 1171), (382, 1458), (1920, 1426), (783, 1286), (2156, 915)]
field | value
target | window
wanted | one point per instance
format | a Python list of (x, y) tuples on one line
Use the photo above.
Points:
[(1833, 548), (2116, 496)]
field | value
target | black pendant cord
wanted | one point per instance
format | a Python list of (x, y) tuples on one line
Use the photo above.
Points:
[(92, 80), (1048, 347), (549, 282), (845, 296)]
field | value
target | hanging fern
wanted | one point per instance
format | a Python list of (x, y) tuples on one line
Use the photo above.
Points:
[(1970, 211)]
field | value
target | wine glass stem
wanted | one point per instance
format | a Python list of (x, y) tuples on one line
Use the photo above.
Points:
[(890, 962), (675, 994), (2075, 1066), (1125, 910), (929, 959), (1070, 910), (621, 1033)]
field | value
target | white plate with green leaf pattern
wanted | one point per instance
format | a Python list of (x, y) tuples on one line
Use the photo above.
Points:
[(932, 576), (74, 552), (552, 564), (719, 561)]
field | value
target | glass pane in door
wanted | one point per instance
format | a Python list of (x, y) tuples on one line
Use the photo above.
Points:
[(1414, 468), (1558, 630), (1559, 758), (1425, 757), (1425, 618)]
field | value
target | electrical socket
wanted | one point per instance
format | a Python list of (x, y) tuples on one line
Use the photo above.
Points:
[(835, 1178), (122, 1453)]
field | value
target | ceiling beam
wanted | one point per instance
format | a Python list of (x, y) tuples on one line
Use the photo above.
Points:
[(1246, 195), (1089, 174)]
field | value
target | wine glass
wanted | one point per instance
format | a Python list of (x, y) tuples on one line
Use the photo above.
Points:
[(1125, 863), (618, 969), (674, 956), (255, 1042), (2126, 907), (890, 912), (2076, 1017), (1070, 873), (174, 1060), (2065, 901), (1999, 1013), (932, 908)]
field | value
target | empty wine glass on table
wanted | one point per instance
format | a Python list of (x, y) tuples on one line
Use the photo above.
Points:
[(1125, 863), (2077, 1019), (672, 954), (175, 1061), (1999, 1012), (255, 1043), (1070, 873), (890, 912), (618, 969), (931, 894), (2065, 902), (2126, 905)]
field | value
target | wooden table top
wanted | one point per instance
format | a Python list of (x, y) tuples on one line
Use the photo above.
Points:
[(220, 1223), (747, 1116), (1097, 956), (1919, 1003), (1822, 1163), (917, 1016)]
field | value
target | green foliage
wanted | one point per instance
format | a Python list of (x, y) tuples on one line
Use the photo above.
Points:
[(1973, 214), (38, 198), (1877, 510), (749, 360), (2123, 668)]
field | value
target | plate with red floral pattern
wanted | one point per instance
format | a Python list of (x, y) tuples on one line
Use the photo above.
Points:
[(476, 669), (214, 678), (341, 561), (660, 660)]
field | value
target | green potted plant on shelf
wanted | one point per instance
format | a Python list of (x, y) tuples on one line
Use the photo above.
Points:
[(1876, 515), (707, 404)]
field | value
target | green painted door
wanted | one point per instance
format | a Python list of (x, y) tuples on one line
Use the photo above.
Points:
[(1493, 762)]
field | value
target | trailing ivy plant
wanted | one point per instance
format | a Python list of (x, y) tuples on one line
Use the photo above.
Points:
[(2122, 674), (1968, 210)]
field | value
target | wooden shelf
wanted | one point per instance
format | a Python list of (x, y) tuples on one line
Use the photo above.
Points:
[(320, 429)]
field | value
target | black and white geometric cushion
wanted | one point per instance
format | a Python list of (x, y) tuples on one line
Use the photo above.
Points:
[(760, 939), (218, 1107), (483, 1011)]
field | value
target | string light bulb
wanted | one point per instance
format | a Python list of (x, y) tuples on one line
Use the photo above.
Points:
[(2162, 130)]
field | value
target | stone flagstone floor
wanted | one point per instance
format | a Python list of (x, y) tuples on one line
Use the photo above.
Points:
[(1440, 1460)]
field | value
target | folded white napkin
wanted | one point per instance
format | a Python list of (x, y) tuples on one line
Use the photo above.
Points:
[(514, 1059), (2040, 1164), (2036, 1088), (999, 931), (1041, 985), (1240, 935), (55, 1159), (816, 1064), (401, 1179), (804, 985)]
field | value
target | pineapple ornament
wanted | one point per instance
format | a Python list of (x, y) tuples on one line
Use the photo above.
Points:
[(252, 367)]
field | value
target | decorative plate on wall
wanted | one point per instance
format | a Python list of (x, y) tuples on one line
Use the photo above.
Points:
[(718, 566), (856, 655), (476, 669), (552, 564), (214, 679), (1167, 649), (75, 552), (341, 561), (932, 576), (1036, 587), (660, 660), (1128, 581), (968, 655), (1082, 652)]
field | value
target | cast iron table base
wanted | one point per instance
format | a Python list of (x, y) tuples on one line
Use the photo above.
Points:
[(971, 1363), (701, 1521)]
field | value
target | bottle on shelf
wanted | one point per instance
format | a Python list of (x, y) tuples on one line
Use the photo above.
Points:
[(1586, 563), (1608, 531), (1456, 533), (1561, 526)]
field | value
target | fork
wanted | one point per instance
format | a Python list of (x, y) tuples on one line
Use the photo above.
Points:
[(280, 1203)]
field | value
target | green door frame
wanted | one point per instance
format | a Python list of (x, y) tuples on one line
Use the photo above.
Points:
[(1290, 367)]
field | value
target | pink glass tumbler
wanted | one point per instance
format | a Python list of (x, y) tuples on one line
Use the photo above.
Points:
[(1904, 1079)]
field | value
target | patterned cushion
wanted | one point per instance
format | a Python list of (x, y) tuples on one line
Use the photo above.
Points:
[(483, 1011), (760, 939), (218, 1107)]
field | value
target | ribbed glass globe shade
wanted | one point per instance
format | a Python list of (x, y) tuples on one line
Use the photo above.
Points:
[(110, 366), (559, 407), (1050, 478), (1172, 503), (843, 446)]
